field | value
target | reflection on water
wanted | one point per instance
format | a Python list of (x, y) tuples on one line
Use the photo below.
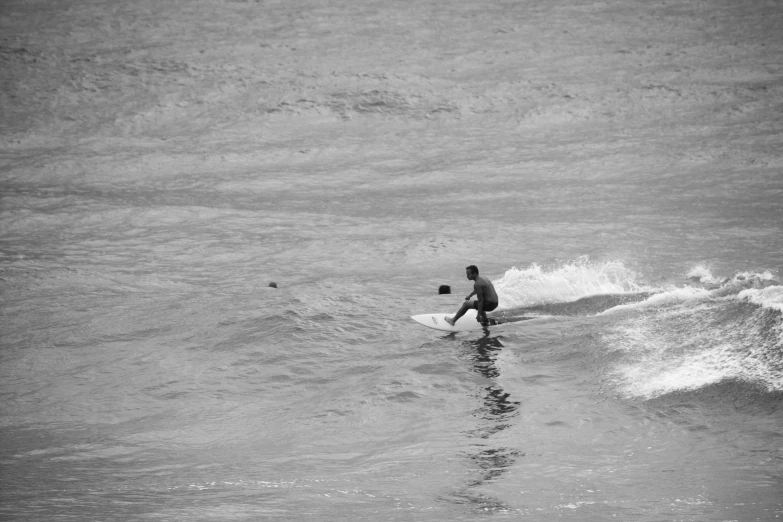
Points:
[(497, 413), (497, 408)]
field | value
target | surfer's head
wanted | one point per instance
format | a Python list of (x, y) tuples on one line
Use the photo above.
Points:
[(471, 271)]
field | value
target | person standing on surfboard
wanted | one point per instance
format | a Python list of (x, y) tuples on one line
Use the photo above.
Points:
[(487, 297)]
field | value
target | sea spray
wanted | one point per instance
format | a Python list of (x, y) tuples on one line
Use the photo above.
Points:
[(564, 282), (703, 274)]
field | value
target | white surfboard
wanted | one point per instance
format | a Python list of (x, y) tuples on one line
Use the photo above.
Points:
[(466, 323)]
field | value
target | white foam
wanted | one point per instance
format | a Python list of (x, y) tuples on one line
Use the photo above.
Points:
[(770, 297), (745, 276), (566, 282), (689, 346), (703, 274), (672, 296), (654, 376)]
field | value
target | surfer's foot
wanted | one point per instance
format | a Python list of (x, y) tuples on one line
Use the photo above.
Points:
[(449, 320)]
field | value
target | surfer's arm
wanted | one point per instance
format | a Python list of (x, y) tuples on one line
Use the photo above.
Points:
[(479, 301), (470, 295)]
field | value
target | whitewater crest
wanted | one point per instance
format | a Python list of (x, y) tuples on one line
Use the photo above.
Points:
[(665, 297), (564, 282), (761, 289), (769, 297), (703, 274)]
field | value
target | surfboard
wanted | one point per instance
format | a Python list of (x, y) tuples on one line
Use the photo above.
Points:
[(466, 323)]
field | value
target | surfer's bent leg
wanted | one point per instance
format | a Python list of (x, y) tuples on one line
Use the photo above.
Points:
[(467, 305)]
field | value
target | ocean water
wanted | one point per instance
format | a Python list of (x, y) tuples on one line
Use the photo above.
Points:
[(613, 167)]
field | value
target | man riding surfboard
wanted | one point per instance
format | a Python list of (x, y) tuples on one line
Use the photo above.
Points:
[(487, 297)]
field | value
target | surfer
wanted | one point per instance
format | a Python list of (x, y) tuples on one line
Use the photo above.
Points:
[(487, 298)]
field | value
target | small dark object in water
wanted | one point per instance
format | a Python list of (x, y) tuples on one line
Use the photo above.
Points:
[(273, 285), (444, 289)]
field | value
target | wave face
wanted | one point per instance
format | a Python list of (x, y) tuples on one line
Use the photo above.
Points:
[(662, 340), (688, 338)]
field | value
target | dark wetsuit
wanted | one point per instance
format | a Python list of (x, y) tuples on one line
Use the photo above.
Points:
[(488, 306)]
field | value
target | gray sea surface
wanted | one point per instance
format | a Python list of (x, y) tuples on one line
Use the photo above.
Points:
[(613, 167)]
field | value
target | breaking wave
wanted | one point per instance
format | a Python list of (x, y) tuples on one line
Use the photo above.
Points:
[(568, 281), (657, 341), (688, 338)]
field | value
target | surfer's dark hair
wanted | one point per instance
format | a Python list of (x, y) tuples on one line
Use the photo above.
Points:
[(472, 268)]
